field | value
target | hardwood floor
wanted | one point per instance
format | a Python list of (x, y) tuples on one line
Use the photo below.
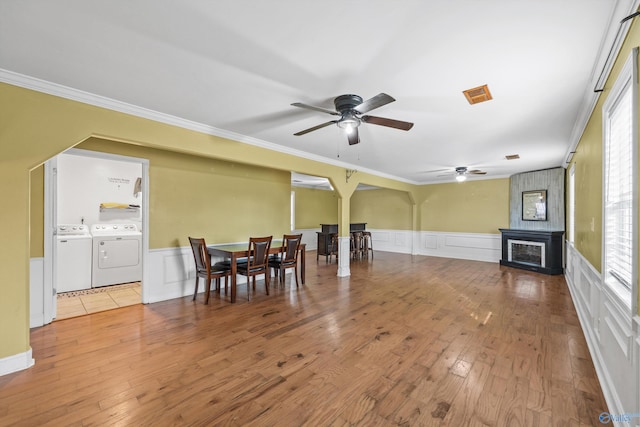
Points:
[(405, 340)]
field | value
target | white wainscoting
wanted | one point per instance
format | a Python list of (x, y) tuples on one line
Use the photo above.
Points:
[(18, 362), (398, 241), (173, 275), (611, 334), (471, 246), (309, 237), (172, 272)]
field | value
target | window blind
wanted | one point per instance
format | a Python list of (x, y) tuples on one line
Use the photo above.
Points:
[(618, 197)]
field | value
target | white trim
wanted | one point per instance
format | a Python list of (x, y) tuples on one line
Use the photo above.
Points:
[(571, 196), (344, 256), (611, 334), (144, 163), (622, 9), (471, 246), (66, 92), (627, 78), (48, 272), (172, 273), (16, 362), (309, 237)]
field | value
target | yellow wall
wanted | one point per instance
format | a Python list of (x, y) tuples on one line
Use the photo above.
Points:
[(203, 197), (36, 244), (35, 127), (382, 208), (588, 168), (467, 207), (315, 207)]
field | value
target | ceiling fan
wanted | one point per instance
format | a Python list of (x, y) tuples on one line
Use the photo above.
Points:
[(461, 173), (351, 108)]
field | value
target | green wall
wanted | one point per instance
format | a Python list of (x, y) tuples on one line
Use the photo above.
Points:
[(315, 207), (382, 209), (467, 207)]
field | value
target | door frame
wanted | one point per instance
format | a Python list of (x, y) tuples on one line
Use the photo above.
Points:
[(50, 223)]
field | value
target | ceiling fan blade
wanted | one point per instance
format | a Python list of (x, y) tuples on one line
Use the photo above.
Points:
[(375, 102), (311, 107), (320, 126), (435, 170), (477, 172), (382, 121), (353, 136)]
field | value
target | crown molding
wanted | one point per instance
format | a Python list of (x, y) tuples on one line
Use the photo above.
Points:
[(66, 92), (608, 53)]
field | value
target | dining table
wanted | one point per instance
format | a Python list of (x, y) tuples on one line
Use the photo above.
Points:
[(235, 251)]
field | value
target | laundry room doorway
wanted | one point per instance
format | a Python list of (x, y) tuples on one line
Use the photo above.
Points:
[(95, 233)]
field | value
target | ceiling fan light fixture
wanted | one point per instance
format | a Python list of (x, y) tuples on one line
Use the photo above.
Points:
[(461, 177), (350, 109), (349, 121)]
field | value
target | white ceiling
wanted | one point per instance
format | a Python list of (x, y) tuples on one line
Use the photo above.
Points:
[(238, 65)]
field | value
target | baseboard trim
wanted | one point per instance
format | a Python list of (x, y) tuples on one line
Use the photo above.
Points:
[(583, 280), (16, 362)]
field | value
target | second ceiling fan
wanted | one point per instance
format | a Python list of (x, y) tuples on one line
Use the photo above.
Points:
[(351, 108)]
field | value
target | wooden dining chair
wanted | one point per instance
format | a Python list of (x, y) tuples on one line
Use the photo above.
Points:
[(288, 257), (205, 270), (257, 262)]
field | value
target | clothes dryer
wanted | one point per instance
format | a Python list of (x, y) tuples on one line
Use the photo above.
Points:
[(117, 254)]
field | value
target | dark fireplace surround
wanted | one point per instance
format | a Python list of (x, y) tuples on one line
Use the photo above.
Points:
[(534, 250)]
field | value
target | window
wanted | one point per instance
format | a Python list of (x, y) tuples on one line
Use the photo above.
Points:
[(620, 185), (293, 211), (572, 204)]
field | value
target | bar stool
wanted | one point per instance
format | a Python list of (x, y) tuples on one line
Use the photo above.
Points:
[(367, 244), (333, 246), (356, 244)]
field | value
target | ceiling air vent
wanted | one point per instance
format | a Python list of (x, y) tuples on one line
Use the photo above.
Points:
[(477, 94)]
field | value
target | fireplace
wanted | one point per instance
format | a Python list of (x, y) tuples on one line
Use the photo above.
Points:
[(533, 250), (526, 252)]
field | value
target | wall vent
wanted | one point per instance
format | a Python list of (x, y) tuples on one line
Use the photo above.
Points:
[(477, 94)]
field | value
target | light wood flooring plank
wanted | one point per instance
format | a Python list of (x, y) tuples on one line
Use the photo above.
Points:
[(405, 340)]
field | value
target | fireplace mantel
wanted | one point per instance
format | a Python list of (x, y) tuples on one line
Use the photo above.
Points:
[(534, 250)]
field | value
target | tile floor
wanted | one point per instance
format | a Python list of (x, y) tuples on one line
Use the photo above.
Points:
[(79, 303)]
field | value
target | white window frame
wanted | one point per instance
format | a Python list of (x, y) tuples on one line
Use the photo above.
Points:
[(292, 213), (572, 204), (626, 81)]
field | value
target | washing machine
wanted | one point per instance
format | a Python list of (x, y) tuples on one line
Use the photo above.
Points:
[(73, 257), (117, 254)]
